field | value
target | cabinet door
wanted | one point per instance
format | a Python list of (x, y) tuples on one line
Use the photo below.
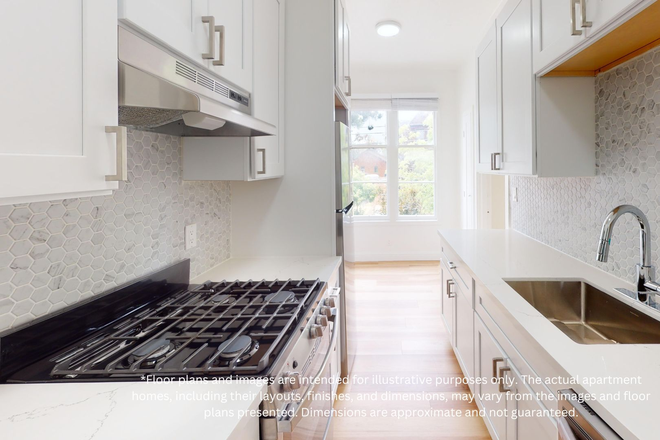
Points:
[(522, 401), (448, 301), (464, 332), (267, 152), (342, 51), (175, 23), (516, 88), (487, 130), (489, 358), (602, 12), (236, 47), (553, 31), (59, 92), (347, 84)]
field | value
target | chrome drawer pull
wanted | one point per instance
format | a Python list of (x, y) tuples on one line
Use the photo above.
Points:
[(122, 154)]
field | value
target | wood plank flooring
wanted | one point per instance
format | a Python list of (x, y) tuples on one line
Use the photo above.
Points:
[(400, 334)]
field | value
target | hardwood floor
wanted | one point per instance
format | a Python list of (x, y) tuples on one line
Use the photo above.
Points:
[(400, 335)]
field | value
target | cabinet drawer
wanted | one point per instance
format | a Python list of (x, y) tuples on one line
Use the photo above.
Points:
[(459, 272)]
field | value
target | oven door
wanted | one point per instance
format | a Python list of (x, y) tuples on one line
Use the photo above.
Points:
[(310, 418)]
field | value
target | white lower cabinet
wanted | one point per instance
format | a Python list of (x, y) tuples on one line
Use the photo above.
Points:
[(464, 339), (489, 359), (523, 401), (448, 301), (256, 158), (59, 95)]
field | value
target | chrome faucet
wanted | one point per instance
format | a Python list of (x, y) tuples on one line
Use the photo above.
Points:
[(645, 281)]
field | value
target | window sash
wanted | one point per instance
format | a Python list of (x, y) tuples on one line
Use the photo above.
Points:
[(392, 170)]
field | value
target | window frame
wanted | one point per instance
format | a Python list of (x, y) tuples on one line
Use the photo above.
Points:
[(392, 173)]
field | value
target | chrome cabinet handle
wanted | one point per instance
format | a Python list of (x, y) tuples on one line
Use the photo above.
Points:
[(574, 30), (585, 22), (450, 294), (492, 161), (451, 265), (495, 166), (211, 22), (350, 86), (263, 160), (503, 370), (221, 55), (122, 154), (495, 362)]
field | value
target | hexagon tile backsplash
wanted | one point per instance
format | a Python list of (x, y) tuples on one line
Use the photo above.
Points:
[(54, 254), (567, 213)]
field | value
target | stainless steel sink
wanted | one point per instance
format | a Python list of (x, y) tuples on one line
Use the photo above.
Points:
[(588, 315)]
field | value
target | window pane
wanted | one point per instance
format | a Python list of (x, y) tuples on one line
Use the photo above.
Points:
[(369, 164), (416, 199), (369, 128), (370, 198), (416, 128), (416, 164)]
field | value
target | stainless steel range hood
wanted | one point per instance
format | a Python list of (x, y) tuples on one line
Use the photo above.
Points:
[(160, 93)]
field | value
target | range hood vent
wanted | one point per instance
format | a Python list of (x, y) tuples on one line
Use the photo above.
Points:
[(160, 93)]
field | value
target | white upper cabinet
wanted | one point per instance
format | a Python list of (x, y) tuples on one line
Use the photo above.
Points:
[(600, 13), (516, 88), (544, 126), (563, 28), (58, 97), (177, 24), (487, 122), (343, 83), (267, 152), (233, 24), (215, 34), (555, 31), (257, 158)]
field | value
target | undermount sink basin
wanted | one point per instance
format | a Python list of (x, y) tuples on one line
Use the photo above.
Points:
[(588, 315)]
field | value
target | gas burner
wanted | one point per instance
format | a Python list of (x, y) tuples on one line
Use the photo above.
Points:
[(280, 297), (223, 299), (154, 350), (241, 348)]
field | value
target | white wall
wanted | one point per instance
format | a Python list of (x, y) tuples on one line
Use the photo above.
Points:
[(416, 240), (294, 216)]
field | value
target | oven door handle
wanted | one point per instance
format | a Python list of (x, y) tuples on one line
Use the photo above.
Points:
[(289, 424)]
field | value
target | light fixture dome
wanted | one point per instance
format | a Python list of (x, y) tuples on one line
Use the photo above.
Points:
[(388, 28)]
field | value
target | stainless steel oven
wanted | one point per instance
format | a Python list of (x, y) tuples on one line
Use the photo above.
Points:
[(302, 398), (583, 423)]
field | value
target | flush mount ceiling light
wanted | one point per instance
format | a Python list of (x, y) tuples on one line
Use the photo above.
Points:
[(388, 28)]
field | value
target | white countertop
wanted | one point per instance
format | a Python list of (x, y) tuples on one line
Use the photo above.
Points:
[(271, 268), (126, 410), (494, 255)]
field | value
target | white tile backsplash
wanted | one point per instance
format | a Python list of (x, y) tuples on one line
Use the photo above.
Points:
[(567, 213), (53, 254)]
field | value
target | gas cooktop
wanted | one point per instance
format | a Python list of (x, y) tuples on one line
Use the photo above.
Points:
[(162, 326)]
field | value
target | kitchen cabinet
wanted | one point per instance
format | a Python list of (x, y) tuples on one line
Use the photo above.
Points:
[(523, 401), (259, 158), (487, 122), (448, 301), (464, 339), (343, 83), (177, 24), (545, 126), (214, 34), (567, 34), (489, 362), (59, 123), (236, 39)]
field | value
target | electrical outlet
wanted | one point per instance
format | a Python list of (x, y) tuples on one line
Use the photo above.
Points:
[(190, 232)]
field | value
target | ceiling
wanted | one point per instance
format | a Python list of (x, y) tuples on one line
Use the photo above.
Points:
[(434, 33)]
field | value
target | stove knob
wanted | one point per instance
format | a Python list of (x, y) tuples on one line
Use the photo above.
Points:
[(326, 311), (334, 315), (315, 331), (322, 320), (291, 381), (330, 302)]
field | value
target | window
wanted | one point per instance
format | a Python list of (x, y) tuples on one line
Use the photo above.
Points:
[(404, 140)]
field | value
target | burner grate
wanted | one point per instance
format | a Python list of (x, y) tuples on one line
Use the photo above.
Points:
[(186, 333)]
